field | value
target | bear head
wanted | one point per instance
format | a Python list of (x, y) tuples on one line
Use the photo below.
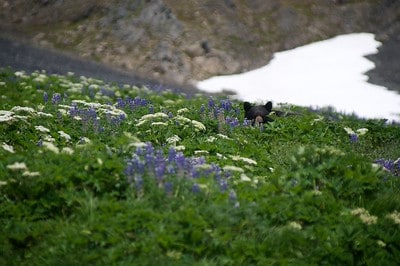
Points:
[(257, 113)]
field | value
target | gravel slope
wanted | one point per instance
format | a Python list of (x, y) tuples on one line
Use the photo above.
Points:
[(22, 56)]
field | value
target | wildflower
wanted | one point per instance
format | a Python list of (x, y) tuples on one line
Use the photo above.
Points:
[(42, 129), (67, 150), (395, 217), (17, 166), (294, 225), (222, 136), (8, 148), (381, 243), (173, 140), (56, 98), (244, 178), (244, 159), (233, 168), (201, 152), (183, 119), (50, 146), (6, 116), (364, 215), (30, 174), (354, 135), (44, 114), (180, 148), (64, 135), (183, 110), (23, 109), (159, 124)]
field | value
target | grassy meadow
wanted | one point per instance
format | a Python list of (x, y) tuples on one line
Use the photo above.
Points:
[(100, 174)]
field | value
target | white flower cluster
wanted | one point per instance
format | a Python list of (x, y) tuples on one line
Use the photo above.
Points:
[(21, 166), (364, 215)]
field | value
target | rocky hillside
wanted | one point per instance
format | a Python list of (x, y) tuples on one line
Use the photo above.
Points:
[(184, 41)]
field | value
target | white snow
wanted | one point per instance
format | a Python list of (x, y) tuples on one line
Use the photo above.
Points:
[(325, 73)]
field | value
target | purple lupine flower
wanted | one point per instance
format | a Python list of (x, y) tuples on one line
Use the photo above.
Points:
[(226, 105), (353, 138), (73, 111), (56, 98), (149, 155), (171, 154), (180, 160), (211, 103), (247, 122), (45, 97), (120, 103)]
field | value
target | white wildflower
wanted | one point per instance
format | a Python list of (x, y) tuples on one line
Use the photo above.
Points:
[(179, 148), (233, 168), (17, 166), (362, 131), (154, 116), (220, 156), (203, 166), (395, 217), (138, 144), (211, 139), (19, 74), (64, 135), (141, 122), (295, 225), (6, 116), (349, 131), (243, 159), (244, 178), (159, 124), (8, 148), (42, 129), (30, 174), (381, 243), (44, 114), (3, 183), (198, 125), (197, 152), (23, 109), (183, 110), (174, 139), (222, 136), (364, 215), (50, 146), (183, 119), (49, 138), (78, 118), (67, 150)]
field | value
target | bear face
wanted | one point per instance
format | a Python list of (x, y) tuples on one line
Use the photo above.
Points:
[(259, 113)]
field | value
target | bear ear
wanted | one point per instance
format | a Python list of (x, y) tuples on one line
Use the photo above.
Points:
[(268, 105), (246, 106)]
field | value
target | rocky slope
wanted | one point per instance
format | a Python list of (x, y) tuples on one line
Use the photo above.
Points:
[(185, 41)]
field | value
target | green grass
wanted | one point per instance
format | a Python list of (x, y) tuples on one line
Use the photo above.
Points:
[(99, 174)]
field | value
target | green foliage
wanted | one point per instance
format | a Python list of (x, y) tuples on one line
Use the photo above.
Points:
[(95, 173)]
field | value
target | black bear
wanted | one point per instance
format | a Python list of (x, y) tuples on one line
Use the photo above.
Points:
[(259, 113)]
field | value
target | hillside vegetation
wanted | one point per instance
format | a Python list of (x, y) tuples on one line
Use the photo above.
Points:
[(95, 173)]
